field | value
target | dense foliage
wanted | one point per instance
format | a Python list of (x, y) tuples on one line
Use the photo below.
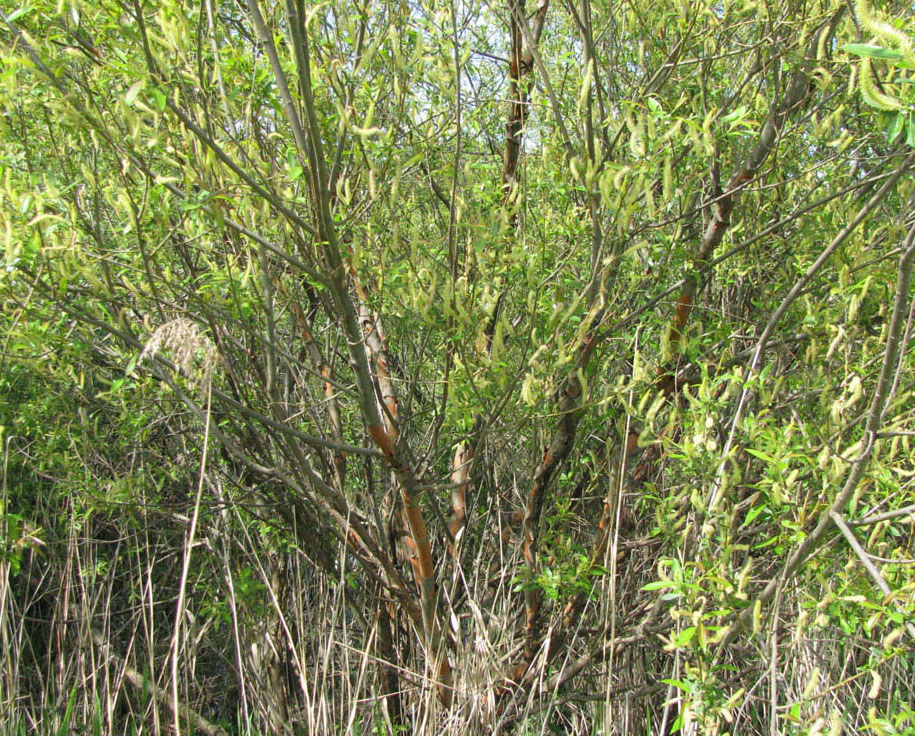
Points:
[(457, 367)]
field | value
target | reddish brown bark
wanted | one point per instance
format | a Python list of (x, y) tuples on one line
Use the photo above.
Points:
[(419, 548), (796, 94), (304, 323), (570, 411), (460, 477), (422, 560), (520, 69), (564, 435)]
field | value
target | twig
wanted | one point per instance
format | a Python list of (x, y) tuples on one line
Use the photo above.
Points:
[(865, 560), (886, 516), (890, 357)]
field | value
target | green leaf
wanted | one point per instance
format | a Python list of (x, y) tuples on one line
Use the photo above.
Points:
[(65, 724), (159, 99), (761, 455), (18, 13), (895, 127), (872, 51), (740, 112), (910, 131), (753, 513), (659, 585), (685, 636)]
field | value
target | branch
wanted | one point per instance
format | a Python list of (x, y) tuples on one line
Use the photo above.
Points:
[(841, 237), (886, 516), (524, 41), (890, 357), (796, 94), (865, 560)]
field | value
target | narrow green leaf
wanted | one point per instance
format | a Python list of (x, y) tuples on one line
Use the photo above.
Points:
[(753, 513), (659, 585), (761, 455), (18, 13), (159, 99), (872, 51), (895, 127), (685, 636), (68, 714)]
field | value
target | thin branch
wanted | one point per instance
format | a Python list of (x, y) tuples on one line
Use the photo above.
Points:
[(887, 515), (866, 562), (813, 269), (817, 536)]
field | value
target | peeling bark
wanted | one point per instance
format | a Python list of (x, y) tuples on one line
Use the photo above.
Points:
[(304, 322), (520, 71), (796, 95)]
